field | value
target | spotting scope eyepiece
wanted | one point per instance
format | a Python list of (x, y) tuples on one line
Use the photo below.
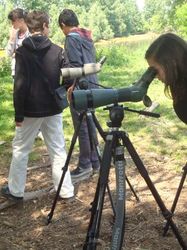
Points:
[(93, 98)]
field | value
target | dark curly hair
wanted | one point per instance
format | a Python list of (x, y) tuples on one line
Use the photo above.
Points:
[(69, 18)]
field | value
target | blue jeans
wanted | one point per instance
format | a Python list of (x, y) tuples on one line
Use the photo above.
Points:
[(87, 155)]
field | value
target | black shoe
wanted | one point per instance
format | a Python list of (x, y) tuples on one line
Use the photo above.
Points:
[(6, 193), (80, 174)]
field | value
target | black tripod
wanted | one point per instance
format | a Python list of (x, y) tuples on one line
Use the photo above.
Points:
[(166, 227), (91, 119), (116, 141)]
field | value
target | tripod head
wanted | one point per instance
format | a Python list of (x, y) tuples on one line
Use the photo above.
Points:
[(116, 114)]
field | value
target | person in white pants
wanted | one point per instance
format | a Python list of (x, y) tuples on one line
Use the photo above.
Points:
[(37, 60), (51, 128)]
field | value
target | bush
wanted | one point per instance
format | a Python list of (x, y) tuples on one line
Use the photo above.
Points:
[(5, 68), (116, 55)]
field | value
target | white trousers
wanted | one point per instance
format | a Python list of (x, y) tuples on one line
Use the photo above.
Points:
[(52, 130)]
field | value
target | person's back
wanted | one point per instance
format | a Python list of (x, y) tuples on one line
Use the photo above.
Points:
[(41, 60), (79, 49)]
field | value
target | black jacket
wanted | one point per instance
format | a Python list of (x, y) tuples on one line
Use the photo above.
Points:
[(32, 94)]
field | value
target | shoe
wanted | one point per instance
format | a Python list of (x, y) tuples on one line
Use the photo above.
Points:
[(80, 174), (6, 193), (68, 200)]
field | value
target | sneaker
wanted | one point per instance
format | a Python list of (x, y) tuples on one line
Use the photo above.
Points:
[(80, 174), (68, 200), (6, 193)]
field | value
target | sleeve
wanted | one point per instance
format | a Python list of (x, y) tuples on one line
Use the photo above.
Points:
[(10, 48), (20, 88)]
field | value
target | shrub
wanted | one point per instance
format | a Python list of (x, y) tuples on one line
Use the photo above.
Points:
[(5, 68)]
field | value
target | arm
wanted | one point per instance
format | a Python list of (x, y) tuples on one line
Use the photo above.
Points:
[(20, 89), (11, 46), (72, 56)]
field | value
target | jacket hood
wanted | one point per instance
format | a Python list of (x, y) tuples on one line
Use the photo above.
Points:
[(36, 43), (84, 33)]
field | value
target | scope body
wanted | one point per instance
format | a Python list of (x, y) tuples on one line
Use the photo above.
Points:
[(93, 98)]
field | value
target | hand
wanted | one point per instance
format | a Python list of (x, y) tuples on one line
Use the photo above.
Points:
[(12, 36), (19, 124), (69, 93)]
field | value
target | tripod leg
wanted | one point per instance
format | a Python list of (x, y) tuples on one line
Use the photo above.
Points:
[(103, 135), (97, 205), (94, 143), (166, 227), (98, 126), (74, 138), (119, 223), (142, 170), (132, 189)]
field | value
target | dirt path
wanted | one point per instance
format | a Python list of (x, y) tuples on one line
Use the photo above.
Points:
[(24, 227)]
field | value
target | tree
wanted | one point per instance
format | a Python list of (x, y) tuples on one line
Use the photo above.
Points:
[(98, 24), (181, 19), (5, 8)]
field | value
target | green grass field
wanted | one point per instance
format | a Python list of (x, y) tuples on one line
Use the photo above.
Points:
[(125, 64)]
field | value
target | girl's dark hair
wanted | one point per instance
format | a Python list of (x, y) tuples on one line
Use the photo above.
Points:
[(17, 14), (68, 17), (170, 52), (35, 20)]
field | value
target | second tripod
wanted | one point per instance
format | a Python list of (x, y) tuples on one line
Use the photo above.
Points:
[(116, 141)]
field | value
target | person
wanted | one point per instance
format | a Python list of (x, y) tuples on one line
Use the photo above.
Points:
[(168, 55), (79, 49), (18, 33), (35, 107)]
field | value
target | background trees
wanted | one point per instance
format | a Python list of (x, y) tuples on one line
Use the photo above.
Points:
[(106, 18)]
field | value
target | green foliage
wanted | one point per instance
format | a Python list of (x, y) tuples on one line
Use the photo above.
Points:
[(115, 54), (6, 108), (160, 15), (4, 24), (106, 18), (100, 26), (181, 19), (5, 68)]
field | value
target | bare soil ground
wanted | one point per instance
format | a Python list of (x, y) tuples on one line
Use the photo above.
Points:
[(24, 226)]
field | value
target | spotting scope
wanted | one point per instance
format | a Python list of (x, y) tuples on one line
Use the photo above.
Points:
[(87, 69), (93, 98)]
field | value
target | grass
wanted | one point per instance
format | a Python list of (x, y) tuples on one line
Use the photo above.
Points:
[(125, 64)]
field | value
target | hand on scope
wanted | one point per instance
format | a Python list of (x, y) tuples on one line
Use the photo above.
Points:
[(69, 93)]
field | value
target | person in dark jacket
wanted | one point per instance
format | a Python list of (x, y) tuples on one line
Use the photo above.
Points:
[(79, 49), (37, 59), (168, 55)]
